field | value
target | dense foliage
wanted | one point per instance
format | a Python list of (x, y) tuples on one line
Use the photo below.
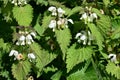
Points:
[(59, 40)]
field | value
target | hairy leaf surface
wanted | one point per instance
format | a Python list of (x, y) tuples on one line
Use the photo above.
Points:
[(77, 55), (23, 15), (21, 70), (112, 69), (63, 38), (95, 32)]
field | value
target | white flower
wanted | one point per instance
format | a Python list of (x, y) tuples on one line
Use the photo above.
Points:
[(52, 24), (31, 56), (81, 37), (94, 15), (112, 57), (84, 16), (53, 10), (16, 55), (13, 52), (22, 38), (29, 39), (60, 12)]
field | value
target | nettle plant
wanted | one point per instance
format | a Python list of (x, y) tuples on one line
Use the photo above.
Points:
[(59, 40)]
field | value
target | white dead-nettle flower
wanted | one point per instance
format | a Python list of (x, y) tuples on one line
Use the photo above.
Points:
[(26, 38), (19, 2), (84, 37), (112, 57), (29, 39), (89, 17), (56, 11), (16, 54), (64, 22), (52, 24), (21, 40), (81, 37), (53, 10), (31, 56), (60, 12), (13, 52)]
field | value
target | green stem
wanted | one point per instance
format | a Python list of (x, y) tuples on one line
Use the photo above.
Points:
[(96, 69)]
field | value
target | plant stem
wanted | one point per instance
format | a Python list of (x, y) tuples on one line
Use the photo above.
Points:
[(96, 69)]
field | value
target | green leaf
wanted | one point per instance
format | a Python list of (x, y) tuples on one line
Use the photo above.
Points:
[(81, 75), (77, 55), (43, 57), (104, 23), (75, 10), (45, 22), (114, 70), (21, 70), (116, 34), (63, 38), (106, 2), (38, 28), (23, 15), (50, 69), (57, 76), (98, 36)]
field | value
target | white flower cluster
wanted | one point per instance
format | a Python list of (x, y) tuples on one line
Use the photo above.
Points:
[(19, 2), (19, 56), (88, 16), (112, 57), (60, 22), (25, 38), (84, 37)]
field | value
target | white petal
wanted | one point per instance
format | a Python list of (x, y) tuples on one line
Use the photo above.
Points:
[(113, 59), (23, 43), (16, 4), (25, 2), (33, 34), (83, 37), (13, 1), (78, 35), (17, 43), (28, 42), (31, 55), (52, 24), (13, 52), (94, 15), (29, 37), (52, 8), (22, 38), (59, 22), (84, 42), (71, 21), (60, 10), (19, 2), (84, 16)]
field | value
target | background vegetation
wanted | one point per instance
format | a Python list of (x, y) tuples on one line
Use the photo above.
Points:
[(74, 40)]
